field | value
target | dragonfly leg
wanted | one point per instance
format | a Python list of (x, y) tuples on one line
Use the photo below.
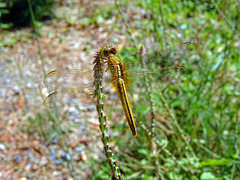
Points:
[(106, 69), (104, 60)]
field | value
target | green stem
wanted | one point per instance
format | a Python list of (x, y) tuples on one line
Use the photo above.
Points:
[(36, 35), (163, 25), (129, 34), (98, 75), (153, 146)]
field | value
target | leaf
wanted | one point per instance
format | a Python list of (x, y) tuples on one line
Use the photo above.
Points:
[(207, 176), (2, 5), (215, 162)]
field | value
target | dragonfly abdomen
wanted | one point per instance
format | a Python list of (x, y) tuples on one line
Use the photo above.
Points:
[(126, 106), (125, 101), (120, 81)]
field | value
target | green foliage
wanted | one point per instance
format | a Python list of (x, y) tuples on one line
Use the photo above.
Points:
[(4, 10), (215, 162), (197, 120), (207, 176), (204, 107), (17, 12)]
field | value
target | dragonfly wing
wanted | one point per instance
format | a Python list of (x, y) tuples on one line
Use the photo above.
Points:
[(165, 67), (68, 84), (69, 76), (67, 95), (176, 56)]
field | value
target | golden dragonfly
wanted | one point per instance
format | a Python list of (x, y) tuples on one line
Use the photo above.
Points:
[(77, 83)]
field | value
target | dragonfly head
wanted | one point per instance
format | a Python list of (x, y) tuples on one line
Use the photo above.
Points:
[(109, 50)]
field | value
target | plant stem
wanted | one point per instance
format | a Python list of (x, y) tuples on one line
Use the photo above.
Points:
[(36, 36), (98, 75), (153, 146)]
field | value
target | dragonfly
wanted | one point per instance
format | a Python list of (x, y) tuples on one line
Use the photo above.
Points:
[(76, 84)]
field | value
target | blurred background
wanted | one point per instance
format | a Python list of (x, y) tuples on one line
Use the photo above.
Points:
[(196, 134)]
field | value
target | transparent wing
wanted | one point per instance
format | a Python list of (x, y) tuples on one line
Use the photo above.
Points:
[(67, 85), (70, 76), (71, 85), (177, 55), (165, 67)]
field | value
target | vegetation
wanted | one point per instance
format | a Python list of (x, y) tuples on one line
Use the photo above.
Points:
[(17, 12), (187, 130)]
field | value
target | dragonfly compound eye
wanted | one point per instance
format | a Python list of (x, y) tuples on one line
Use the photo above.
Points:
[(106, 52), (113, 50)]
